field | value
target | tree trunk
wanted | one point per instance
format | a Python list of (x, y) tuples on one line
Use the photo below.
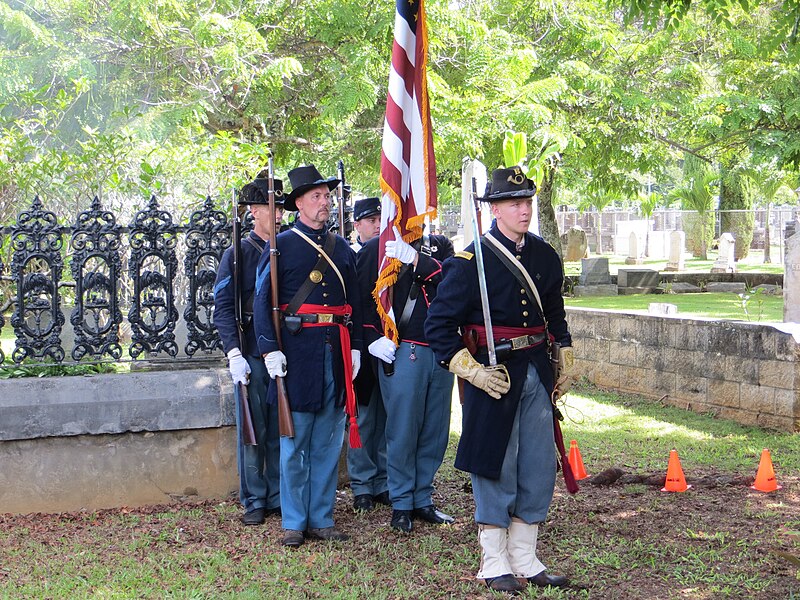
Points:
[(548, 226), (767, 257)]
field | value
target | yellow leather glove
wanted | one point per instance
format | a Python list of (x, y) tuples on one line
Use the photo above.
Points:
[(566, 371), (492, 380)]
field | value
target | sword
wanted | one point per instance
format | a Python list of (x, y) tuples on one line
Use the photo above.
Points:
[(487, 319)]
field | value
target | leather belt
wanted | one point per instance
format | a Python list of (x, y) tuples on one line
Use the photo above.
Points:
[(320, 318), (525, 341), (521, 342)]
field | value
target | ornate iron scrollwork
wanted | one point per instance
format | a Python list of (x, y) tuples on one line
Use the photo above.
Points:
[(153, 265), (96, 269), (207, 237), (2, 319), (36, 267)]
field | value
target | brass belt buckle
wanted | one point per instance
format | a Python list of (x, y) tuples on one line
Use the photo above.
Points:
[(325, 318), (519, 342)]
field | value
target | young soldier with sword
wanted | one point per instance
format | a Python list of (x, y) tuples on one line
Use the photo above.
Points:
[(503, 293)]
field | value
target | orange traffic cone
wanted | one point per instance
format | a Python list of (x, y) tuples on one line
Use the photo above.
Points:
[(676, 482), (765, 478), (576, 462)]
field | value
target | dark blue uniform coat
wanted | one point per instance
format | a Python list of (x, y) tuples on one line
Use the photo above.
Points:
[(427, 275), (304, 351), (224, 316), (487, 422)]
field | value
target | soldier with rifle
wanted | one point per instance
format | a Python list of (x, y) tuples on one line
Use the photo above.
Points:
[(257, 421), (309, 286), (497, 325)]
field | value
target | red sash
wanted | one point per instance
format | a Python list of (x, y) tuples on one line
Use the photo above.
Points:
[(350, 406)]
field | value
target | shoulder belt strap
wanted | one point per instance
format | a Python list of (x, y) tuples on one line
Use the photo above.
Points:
[(321, 266), (248, 306), (512, 264)]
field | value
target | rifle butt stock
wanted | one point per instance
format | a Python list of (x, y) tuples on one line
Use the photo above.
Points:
[(248, 431), (285, 421)]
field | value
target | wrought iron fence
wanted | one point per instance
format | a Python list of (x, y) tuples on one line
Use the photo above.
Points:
[(122, 289)]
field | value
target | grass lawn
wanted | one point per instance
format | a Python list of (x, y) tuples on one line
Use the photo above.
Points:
[(620, 541), (759, 307)]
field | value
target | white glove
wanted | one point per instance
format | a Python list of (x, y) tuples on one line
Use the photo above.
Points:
[(237, 365), (276, 364), (355, 355), (383, 349), (399, 249)]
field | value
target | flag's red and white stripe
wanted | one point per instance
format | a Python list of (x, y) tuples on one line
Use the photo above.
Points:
[(408, 168)]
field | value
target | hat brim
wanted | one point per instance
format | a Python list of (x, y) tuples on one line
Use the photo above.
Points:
[(289, 199), (508, 195), (370, 213)]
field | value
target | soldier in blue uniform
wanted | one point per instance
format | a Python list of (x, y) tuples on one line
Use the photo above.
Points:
[(259, 474), (319, 301), (417, 395), (366, 466), (507, 441)]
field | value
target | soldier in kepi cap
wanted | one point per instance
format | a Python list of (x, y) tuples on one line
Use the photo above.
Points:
[(507, 442), (259, 473), (367, 221), (367, 465), (319, 302)]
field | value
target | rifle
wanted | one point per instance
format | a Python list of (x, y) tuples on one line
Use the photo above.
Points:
[(248, 432), (285, 422), (340, 194)]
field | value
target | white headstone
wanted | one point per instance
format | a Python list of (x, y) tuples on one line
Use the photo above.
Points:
[(791, 280), (633, 250), (677, 242), (725, 259)]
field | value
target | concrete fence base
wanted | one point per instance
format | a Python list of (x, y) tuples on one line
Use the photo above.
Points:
[(71, 443)]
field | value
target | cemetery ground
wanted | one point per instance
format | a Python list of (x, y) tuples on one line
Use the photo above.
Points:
[(623, 540)]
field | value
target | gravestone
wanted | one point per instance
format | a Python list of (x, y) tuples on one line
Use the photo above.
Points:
[(637, 281), (594, 271), (575, 244), (633, 250), (677, 242), (791, 280), (733, 287), (595, 278), (725, 259)]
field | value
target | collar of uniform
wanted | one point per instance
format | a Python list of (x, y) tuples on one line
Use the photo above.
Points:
[(257, 239), (510, 244), (298, 224)]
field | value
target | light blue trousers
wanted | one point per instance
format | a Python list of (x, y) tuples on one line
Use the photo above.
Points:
[(367, 465), (259, 465), (417, 401), (528, 476), (309, 460)]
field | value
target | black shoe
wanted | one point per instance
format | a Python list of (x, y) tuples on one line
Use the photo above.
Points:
[(544, 580), (254, 517), (431, 515), (382, 498), (363, 502), (401, 520), (272, 512), (292, 538), (504, 583), (328, 534)]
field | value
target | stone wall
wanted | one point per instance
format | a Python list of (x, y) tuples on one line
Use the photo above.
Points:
[(748, 372), (72, 443)]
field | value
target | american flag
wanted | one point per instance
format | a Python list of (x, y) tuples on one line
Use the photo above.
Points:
[(408, 167)]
